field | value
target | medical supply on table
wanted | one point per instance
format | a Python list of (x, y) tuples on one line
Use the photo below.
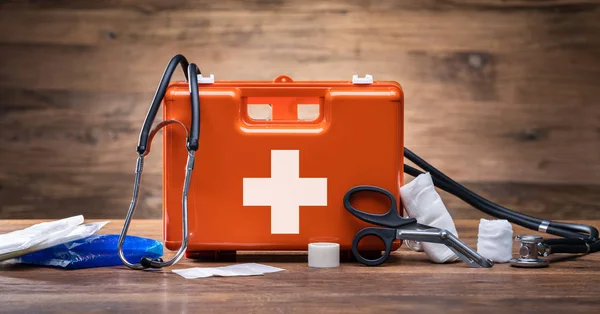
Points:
[(248, 269), (422, 202), (494, 240), (533, 247), (529, 253), (44, 235), (404, 229), (323, 255), (93, 251), (276, 158)]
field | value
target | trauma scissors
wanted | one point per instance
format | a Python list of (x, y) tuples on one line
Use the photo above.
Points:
[(402, 228)]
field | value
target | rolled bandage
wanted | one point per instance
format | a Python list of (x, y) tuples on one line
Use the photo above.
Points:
[(323, 255), (422, 202), (495, 240)]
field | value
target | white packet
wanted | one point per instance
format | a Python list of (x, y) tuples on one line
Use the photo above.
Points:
[(249, 269), (254, 267), (194, 272), (45, 235), (33, 235)]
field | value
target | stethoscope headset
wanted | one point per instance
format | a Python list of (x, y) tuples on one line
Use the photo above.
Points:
[(190, 70)]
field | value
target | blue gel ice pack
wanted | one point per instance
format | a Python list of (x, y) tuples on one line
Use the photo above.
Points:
[(94, 251)]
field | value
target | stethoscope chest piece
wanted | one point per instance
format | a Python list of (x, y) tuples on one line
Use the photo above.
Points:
[(529, 252)]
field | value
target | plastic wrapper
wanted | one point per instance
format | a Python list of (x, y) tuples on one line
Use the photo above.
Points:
[(94, 251), (44, 235)]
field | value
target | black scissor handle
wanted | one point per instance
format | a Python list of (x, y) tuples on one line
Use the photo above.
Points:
[(386, 235), (390, 219)]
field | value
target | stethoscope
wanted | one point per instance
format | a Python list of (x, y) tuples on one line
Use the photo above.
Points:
[(575, 238), (143, 148)]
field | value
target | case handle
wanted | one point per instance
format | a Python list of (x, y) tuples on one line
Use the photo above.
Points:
[(283, 79)]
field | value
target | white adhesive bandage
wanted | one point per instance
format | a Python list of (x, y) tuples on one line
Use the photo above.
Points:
[(249, 269), (422, 202), (494, 241), (323, 255)]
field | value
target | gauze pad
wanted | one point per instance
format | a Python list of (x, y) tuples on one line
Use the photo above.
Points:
[(421, 201), (494, 241)]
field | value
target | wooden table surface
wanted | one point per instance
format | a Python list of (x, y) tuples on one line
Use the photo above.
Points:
[(407, 282)]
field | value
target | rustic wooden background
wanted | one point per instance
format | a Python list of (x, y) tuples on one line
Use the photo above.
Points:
[(501, 95)]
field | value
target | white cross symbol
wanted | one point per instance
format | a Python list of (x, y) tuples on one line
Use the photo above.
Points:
[(285, 192)]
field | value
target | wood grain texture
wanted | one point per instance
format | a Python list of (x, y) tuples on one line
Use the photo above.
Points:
[(407, 282), (498, 93)]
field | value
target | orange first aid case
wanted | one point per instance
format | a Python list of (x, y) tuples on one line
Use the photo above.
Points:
[(276, 181)]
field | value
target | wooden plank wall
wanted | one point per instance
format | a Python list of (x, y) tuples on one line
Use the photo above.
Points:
[(502, 95)]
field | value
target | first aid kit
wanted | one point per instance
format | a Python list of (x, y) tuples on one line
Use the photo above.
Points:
[(274, 180), (289, 164)]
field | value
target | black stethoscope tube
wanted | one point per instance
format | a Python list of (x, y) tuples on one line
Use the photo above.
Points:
[(192, 143), (471, 200), (158, 98)]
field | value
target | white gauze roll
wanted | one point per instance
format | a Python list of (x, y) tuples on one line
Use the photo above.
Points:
[(494, 240), (421, 201)]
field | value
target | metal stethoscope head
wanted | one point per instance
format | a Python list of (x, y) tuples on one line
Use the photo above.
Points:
[(530, 251), (534, 249), (146, 136)]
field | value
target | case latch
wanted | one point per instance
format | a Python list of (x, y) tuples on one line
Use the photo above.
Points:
[(206, 79), (368, 79)]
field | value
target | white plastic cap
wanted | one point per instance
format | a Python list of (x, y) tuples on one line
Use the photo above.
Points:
[(323, 255), (206, 79), (368, 79)]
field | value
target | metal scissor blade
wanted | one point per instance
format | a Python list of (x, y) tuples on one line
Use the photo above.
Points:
[(424, 233)]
